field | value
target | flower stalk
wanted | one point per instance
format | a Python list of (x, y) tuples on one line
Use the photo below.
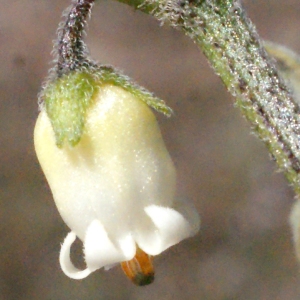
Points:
[(71, 49)]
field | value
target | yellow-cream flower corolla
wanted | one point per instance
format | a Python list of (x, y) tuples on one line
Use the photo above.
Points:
[(116, 188)]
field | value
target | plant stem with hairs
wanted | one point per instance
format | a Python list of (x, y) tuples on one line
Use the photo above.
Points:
[(230, 42), (71, 50)]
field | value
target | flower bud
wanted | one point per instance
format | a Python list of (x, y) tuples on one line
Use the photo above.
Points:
[(116, 188)]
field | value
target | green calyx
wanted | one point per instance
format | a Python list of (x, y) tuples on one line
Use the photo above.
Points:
[(109, 76), (68, 98)]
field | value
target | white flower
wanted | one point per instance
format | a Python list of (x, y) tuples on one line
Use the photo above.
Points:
[(115, 188)]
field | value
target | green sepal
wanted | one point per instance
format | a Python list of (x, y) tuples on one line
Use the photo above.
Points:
[(110, 76), (67, 100)]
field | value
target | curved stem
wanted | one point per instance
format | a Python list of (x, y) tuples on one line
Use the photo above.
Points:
[(72, 51), (230, 42)]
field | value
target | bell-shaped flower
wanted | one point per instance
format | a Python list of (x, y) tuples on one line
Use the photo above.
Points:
[(116, 188)]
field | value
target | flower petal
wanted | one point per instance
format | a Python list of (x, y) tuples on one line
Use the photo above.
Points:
[(171, 228), (100, 251), (65, 262), (188, 210)]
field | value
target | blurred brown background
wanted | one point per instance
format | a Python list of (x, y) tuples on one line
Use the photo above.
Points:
[(244, 248)]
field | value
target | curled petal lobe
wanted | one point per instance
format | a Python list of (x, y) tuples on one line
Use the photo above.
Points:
[(170, 228), (100, 251), (65, 262), (188, 210)]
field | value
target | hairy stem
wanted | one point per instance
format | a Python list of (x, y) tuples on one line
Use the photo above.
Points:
[(230, 42), (71, 49)]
